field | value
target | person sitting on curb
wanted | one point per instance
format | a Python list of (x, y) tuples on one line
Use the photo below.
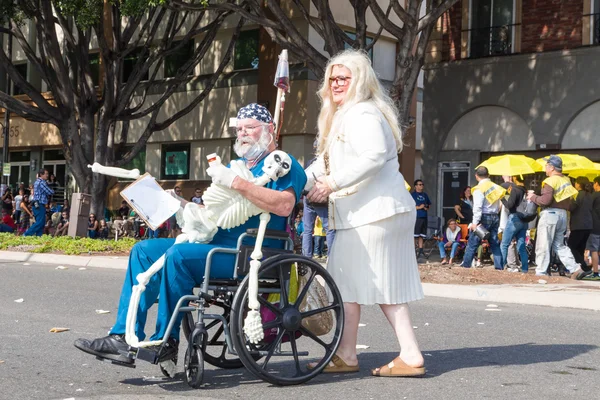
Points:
[(450, 241), (8, 224), (63, 225)]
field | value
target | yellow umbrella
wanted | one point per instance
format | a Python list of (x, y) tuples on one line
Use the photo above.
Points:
[(571, 162), (511, 164), (588, 173)]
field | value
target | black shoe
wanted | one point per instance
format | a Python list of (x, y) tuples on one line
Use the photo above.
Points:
[(168, 351), (111, 347)]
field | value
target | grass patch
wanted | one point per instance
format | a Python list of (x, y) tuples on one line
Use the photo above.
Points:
[(64, 244)]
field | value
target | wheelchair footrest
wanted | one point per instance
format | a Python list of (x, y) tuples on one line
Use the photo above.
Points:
[(115, 362), (147, 355)]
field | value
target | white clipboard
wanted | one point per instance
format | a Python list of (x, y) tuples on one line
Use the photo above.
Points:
[(150, 201)]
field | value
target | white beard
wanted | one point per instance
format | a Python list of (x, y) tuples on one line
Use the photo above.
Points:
[(251, 149)]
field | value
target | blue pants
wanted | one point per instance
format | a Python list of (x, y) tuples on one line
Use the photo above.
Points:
[(442, 247), (318, 248), (37, 229), (491, 223), (6, 229), (183, 269), (515, 228), (309, 217)]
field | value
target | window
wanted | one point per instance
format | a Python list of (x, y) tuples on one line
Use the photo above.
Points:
[(175, 161), (95, 68), (492, 27), (15, 156), (22, 70), (352, 36), (175, 60), (246, 50), (595, 22), (129, 65), (54, 155)]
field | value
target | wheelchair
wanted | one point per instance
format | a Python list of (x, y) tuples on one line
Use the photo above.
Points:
[(216, 335)]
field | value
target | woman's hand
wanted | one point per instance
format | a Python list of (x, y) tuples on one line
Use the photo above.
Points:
[(320, 192), (457, 210)]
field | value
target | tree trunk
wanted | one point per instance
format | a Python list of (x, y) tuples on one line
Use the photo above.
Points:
[(74, 156)]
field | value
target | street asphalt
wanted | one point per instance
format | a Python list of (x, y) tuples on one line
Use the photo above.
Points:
[(472, 349)]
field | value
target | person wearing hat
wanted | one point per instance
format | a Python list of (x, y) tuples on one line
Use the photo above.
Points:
[(554, 200), (486, 206), (184, 262)]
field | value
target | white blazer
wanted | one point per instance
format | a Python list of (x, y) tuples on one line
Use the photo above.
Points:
[(364, 170)]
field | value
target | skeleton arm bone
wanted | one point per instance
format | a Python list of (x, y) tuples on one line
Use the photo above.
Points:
[(276, 202), (114, 171)]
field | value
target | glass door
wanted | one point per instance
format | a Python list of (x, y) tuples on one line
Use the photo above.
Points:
[(453, 177)]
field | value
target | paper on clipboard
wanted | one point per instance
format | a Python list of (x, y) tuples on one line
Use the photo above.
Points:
[(150, 201)]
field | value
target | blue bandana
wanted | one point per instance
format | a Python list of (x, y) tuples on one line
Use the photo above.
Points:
[(257, 112)]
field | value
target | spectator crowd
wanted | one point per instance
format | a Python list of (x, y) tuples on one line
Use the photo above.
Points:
[(556, 230)]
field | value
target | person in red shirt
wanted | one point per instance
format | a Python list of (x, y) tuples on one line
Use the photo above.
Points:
[(8, 224)]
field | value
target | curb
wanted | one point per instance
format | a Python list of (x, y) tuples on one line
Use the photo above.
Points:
[(560, 296), (77, 261), (580, 295)]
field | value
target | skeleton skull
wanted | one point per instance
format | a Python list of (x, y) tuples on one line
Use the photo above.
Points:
[(277, 164)]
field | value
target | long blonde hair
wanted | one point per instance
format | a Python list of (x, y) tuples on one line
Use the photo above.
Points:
[(364, 86)]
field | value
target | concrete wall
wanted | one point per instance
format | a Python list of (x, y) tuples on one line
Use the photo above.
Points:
[(512, 103)]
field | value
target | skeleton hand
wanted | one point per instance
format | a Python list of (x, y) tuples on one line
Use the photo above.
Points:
[(221, 175)]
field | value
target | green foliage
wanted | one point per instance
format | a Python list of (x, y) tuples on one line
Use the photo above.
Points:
[(89, 12), (10, 10), (64, 244), (85, 12)]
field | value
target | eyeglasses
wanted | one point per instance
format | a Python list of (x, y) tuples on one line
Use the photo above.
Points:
[(339, 80), (247, 128), (419, 184)]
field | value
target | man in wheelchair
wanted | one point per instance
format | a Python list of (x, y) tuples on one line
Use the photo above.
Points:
[(185, 262)]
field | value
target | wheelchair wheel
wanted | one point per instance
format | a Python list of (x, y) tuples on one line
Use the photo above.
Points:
[(288, 345), (194, 366), (216, 350)]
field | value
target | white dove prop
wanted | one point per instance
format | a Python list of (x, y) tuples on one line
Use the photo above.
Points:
[(224, 208)]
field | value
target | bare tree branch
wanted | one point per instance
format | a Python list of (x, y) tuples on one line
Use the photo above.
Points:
[(435, 14), (25, 110), (209, 85), (384, 21)]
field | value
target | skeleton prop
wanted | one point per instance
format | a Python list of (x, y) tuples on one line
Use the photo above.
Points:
[(224, 208)]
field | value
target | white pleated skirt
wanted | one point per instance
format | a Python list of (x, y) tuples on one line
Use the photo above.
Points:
[(376, 263)]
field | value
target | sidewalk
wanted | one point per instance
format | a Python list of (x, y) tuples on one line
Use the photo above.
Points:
[(59, 259), (579, 294)]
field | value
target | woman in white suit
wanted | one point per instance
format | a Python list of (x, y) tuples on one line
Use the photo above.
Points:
[(372, 258)]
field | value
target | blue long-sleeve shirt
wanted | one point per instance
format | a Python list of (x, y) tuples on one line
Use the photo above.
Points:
[(41, 191)]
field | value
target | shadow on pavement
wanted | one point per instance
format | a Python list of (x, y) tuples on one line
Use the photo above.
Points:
[(437, 363)]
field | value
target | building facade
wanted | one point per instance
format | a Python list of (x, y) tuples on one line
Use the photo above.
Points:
[(508, 76), (177, 155)]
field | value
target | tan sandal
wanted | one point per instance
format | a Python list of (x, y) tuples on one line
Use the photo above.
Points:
[(398, 368), (339, 366)]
